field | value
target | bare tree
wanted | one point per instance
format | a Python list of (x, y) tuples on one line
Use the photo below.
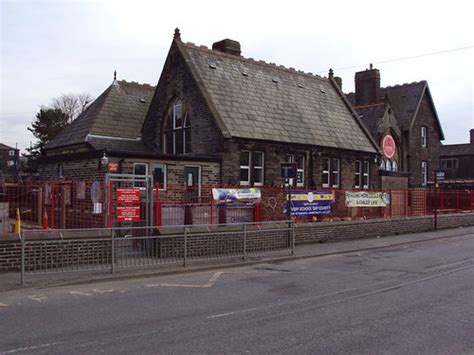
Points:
[(72, 104)]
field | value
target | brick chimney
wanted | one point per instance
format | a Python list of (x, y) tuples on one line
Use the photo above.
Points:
[(227, 46), (472, 135), (367, 86)]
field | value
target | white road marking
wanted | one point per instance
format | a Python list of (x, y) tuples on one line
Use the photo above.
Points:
[(27, 348), (208, 284), (79, 293), (103, 291), (38, 298)]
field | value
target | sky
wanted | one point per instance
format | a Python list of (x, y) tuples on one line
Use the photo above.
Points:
[(49, 48)]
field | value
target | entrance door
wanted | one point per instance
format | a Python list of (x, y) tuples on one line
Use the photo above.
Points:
[(192, 183)]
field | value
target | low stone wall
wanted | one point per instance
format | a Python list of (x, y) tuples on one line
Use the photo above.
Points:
[(69, 252), (320, 232)]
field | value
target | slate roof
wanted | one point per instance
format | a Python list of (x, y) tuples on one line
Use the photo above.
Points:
[(370, 115), (5, 147), (257, 100), (404, 100), (118, 112), (457, 150)]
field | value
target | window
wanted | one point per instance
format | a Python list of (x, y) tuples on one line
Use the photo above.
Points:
[(159, 175), (258, 168), (388, 165), (357, 173), (394, 166), (245, 168), (424, 173), (177, 132), (365, 177), (11, 153), (140, 169), (382, 164), (361, 174), (331, 172), (251, 162), (60, 171), (300, 168), (449, 163), (424, 139)]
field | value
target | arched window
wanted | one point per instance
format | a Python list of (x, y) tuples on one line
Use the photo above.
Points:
[(394, 166), (177, 130), (388, 165), (382, 164)]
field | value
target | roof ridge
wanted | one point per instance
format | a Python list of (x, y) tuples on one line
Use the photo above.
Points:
[(134, 83), (370, 105), (404, 84), (255, 61)]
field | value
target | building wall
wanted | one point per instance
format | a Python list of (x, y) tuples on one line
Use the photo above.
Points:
[(275, 154), (425, 117), (176, 81)]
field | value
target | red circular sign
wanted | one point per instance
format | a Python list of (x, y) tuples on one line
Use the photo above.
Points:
[(388, 146)]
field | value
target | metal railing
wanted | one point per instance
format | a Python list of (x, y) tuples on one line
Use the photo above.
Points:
[(109, 249)]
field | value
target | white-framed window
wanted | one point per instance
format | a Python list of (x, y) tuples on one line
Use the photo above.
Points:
[(290, 158), (382, 164), (177, 132), (11, 153), (394, 166), (388, 165), (258, 158), (424, 136), (60, 171), (361, 174), (140, 169), (245, 167), (326, 170), (336, 167), (251, 168), (331, 173), (424, 173), (159, 172), (365, 176)]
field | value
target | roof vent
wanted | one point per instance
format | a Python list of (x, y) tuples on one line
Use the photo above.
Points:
[(227, 46), (142, 101), (323, 90), (275, 80), (244, 73), (300, 85), (212, 66)]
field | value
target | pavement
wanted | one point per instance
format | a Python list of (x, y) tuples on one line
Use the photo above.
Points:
[(12, 280)]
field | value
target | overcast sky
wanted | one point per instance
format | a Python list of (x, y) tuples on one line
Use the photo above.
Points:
[(54, 47)]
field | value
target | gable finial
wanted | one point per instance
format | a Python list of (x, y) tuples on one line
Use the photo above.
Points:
[(371, 66), (331, 73), (177, 34), (115, 75)]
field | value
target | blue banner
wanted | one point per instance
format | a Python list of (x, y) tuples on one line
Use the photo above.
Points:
[(308, 203)]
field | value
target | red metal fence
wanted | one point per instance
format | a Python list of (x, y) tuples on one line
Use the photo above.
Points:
[(90, 204)]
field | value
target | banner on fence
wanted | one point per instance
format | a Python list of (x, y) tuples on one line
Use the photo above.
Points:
[(367, 199), (224, 195), (307, 203)]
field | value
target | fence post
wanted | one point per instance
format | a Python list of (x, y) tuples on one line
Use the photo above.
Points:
[(293, 235), (245, 241), (157, 206), (22, 238), (185, 246), (113, 251)]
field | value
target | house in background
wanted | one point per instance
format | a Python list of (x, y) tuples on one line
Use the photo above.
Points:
[(457, 161), (404, 122)]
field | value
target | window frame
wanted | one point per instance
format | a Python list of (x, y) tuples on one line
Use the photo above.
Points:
[(424, 173), (258, 167), (335, 174), (165, 175), (137, 183), (175, 130), (247, 167), (365, 174), (291, 158), (358, 174), (326, 172), (424, 136)]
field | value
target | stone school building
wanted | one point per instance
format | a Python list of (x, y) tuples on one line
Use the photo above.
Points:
[(216, 117)]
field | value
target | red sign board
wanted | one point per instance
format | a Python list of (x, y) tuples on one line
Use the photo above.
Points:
[(388, 146), (128, 195), (112, 167), (128, 213)]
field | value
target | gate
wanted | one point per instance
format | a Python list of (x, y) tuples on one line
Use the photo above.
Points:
[(129, 200)]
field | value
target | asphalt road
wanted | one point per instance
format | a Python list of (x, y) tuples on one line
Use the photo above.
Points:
[(410, 299)]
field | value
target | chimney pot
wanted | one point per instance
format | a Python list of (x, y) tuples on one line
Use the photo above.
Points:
[(472, 135), (227, 46)]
